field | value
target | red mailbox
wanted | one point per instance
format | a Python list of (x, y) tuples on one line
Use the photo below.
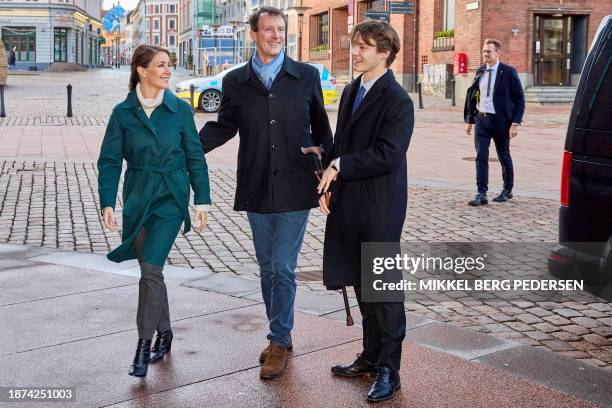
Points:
[(460, 63)]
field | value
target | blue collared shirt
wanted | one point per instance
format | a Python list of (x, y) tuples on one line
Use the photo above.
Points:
[(268, 72)]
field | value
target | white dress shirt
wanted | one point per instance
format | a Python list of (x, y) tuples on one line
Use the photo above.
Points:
[(485, 105), (367, 85)]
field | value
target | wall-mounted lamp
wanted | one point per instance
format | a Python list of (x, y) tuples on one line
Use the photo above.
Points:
[(515, 31)]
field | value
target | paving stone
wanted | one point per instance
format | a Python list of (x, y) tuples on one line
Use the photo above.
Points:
[(556, 320), (567, 312), (575, 329), (539, 311), (545, 327), (583, 345), (537, 335), (558, 345), (528, 318), (597, 339), (603, 331), (565, 336)]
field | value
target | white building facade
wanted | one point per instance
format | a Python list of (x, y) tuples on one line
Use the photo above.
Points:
[(47, 32)]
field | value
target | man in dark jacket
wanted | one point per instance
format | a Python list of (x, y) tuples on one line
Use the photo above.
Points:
[(276, 104), (495, 103), (12, 59), (369, 198)]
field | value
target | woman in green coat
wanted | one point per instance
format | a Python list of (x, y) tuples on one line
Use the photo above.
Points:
[(154, 132)]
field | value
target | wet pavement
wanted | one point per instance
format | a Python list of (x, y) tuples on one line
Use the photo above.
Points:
[(74, 326)]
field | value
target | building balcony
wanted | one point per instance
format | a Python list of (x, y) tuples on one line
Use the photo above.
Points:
[(443, 44)]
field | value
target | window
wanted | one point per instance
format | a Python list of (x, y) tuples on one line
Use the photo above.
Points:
[(594, 112), (323, 29), (24, 38), (60, 44), (375, 5), (156, 9), (156, 24), (449, 15), (171, 41), (172, 8), (156, 40), (172, 24)]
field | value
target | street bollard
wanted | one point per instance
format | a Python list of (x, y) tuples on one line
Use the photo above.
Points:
[(452, 81), (69, 112), (420, 91), (2, 112), (191, 97)]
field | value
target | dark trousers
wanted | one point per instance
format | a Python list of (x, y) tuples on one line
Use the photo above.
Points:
[(153, 311), (487, 128), (384, 329)]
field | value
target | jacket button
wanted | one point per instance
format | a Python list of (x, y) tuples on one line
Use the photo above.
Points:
[(272, 122), (271, 95), (275, 172), (274, 147)]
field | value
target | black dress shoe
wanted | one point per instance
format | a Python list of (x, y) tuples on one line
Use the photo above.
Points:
[(141, 359), (505, 195), (480, 199), (162, 345), (360, 366), (385, 386)]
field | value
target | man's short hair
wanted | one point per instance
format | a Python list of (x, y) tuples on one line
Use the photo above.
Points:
[(378, 33), (496, 43), (271, 11)]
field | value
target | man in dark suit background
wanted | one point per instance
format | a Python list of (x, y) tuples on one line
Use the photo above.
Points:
[(276, 104), (495, 103), (369, 198)]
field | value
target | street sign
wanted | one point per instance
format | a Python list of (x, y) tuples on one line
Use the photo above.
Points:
[(401, 7), (377, 15)]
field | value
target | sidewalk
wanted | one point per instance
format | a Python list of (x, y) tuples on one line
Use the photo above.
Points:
[(73, 325)]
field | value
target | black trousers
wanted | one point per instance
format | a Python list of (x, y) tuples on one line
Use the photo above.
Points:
[(496, 128), (153, 311), (384, 329)]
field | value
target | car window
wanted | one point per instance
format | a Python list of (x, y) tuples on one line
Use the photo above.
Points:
[(597, 101)]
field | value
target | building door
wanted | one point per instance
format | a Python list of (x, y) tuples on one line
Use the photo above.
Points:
[(552, 48)]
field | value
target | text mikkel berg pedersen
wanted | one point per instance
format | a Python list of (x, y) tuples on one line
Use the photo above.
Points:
[(457, 265)]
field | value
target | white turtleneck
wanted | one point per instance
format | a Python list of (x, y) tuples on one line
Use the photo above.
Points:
[(149, 105)]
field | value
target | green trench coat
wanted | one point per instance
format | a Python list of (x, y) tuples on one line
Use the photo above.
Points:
[(164, 157)]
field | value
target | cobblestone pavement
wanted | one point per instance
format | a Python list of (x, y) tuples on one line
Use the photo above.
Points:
[(54, 204), (40, 100)]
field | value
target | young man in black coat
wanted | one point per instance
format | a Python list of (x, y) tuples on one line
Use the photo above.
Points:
[(276, 104), (369, 198), (495, 103)]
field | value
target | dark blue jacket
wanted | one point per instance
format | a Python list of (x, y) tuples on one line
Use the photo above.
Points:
[(508, 97)]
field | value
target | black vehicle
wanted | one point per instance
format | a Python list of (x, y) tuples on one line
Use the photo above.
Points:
[(585, 215)]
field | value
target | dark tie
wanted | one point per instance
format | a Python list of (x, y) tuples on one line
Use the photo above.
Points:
[(269, 84), (489, 70), (359, 98)]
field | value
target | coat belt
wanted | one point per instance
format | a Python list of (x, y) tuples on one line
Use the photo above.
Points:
[(141, 197)]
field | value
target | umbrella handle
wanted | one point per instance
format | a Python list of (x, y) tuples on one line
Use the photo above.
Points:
[(349, 318)]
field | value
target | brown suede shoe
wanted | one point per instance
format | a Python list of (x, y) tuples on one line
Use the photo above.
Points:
[(276, 362), (266, 351)]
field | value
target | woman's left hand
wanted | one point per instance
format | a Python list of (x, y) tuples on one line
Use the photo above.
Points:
[(201, 218)]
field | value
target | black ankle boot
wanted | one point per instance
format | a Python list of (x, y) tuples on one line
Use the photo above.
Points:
[(141, 359), (163, 344)]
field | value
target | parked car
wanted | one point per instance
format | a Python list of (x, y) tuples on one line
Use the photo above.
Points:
[(208, 90), (585, 215)]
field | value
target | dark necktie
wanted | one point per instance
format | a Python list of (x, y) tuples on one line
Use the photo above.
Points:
[(489, 71), (359, 98)]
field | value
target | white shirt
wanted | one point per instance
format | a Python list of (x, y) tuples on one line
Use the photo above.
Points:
[(367, 85), (485, 104)]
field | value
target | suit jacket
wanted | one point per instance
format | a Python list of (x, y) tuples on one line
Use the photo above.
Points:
[(508, 97), (369, 199), (273, 174)]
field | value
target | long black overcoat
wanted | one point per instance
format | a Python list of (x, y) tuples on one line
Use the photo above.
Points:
[(369, 198)]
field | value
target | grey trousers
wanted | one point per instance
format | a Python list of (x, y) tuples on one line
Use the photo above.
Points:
[(153, 311)]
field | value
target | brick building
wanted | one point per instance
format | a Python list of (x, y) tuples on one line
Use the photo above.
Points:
[(546, 41), (326, 36)]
